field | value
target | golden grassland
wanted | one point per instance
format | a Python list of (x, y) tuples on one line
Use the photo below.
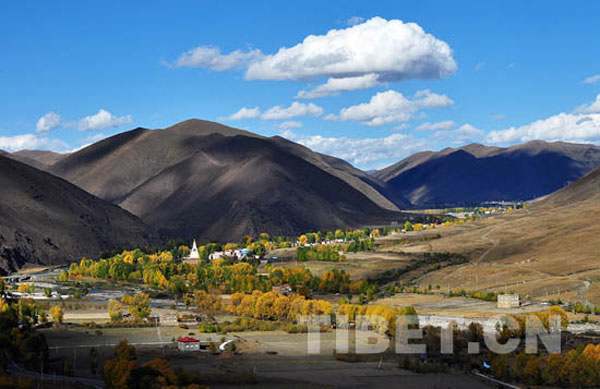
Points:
[(545, 251)]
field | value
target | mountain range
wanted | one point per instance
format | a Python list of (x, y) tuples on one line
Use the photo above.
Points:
[(203, 180), (475, 174)]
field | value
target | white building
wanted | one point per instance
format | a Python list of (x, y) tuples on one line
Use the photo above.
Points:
[(194, 254), (508, 300)]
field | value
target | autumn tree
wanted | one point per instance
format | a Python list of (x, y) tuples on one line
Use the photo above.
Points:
[(57, 314), (114, 310), (116, 371), (140, 306)]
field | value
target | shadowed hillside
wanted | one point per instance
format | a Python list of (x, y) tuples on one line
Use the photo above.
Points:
[(203, 179), (475, 173), (46, 220), (43, 157), (549, 250)]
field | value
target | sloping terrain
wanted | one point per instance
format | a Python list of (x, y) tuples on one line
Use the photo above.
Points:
[(548, 250), (474, 174), (205, 180), (46, 220), (42, 157)]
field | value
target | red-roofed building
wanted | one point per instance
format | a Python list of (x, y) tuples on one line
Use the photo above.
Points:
[(188, 344)]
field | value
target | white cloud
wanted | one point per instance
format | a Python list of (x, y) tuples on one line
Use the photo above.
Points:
[(336, 85), (593, 107), (90, 140), (403, 126), (427, 126), (294, 110), (463, 134), (479, 66), (210, 57), (103, 119), (393, 50), (354, 20), (365, 153), (582, 125), (592, 79), (31, 141), (288, 125), (467, 130), (245, 113), (391, 106), (48, 122)]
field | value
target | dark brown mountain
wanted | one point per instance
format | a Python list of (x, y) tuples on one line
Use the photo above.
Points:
[(206, 180), (46, 220), (24, 159), (475, 173), (42, 157)]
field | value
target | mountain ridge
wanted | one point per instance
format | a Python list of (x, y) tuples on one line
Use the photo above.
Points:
[(474, 174), (194, 178), (47, 220)]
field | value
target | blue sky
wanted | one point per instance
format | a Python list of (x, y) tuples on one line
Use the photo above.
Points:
[(394, 78)]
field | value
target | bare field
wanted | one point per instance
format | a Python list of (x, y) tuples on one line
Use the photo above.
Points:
[(543, 251), (277, 358), (435, 304)]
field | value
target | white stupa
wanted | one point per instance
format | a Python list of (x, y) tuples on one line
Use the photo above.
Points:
[(194, 252)]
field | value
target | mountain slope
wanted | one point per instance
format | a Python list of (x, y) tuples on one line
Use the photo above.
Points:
[(475, 173), (548, 251), (42, 157), (46, 220), (205, 180)]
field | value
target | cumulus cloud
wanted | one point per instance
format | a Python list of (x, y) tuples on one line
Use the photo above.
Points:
[(354, 20), (427, 126), (48, 122), (245, 113), (592, 79), (564, 126), (335, 85), (581, 125), (90, 140), (31, 141), (593, 107), (391, 106), (295, 109), (366, 153), (102, 120), (288, 125), (391, 49), (466, 133), (210, 57), (403, 126)]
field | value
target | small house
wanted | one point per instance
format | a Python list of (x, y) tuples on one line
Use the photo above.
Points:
[(508, 300), (168, 320), (282, 289), (188, 344)]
